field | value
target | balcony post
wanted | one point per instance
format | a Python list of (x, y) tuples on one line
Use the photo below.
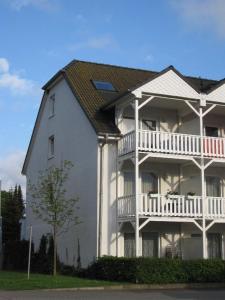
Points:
[(203, 191), (136, 179)]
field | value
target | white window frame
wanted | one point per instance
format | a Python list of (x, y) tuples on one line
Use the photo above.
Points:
[(149, 172), (52, 106), (140, 179), (220, 132), (221, 184), (141, 119), (157, 124), (51, 146)]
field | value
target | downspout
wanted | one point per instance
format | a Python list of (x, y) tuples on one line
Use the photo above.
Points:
[(101, 145)]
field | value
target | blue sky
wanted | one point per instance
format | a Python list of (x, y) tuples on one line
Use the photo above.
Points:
[(38, 37)]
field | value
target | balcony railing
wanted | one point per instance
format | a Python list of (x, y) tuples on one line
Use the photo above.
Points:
[(172, 143), (172, 206)]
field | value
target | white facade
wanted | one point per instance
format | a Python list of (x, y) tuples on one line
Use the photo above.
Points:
[(75, 141), (157, 191)]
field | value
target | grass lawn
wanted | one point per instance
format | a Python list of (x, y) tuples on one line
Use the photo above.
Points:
[(18, 281)]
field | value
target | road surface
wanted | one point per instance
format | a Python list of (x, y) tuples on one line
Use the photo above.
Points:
[(218, 294)]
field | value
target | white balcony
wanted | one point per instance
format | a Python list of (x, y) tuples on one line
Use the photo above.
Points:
[(172, 206), (172, 143)]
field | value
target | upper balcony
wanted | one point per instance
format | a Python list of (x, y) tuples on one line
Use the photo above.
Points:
[(172, 143)]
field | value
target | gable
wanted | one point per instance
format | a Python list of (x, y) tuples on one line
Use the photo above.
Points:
[(68, 110), (170, 84), (218, 94)]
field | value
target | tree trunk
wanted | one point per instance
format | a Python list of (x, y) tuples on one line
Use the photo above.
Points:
[(55, 252)]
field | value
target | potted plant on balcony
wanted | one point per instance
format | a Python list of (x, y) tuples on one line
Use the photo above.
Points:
[(153, 194), (190, 195), (172, 195)]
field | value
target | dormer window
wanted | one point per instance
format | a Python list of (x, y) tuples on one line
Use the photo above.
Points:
[(51, 105), (103, 86)]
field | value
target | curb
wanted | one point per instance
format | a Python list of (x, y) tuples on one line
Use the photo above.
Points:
[(127, 287)]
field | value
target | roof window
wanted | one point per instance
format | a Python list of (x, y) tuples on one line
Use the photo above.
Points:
[(104, 85)]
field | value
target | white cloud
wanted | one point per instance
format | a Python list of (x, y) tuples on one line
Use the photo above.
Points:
[(47, 5), (4, 65), (10, 170), (14, 82), (149, 58), (103, 42), (80, 18), (207, 14)]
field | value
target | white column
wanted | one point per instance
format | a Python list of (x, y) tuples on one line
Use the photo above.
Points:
[(204, 238), (1, 250), (117, 189), (136, 180)]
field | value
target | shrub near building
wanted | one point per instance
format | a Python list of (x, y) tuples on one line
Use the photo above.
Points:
[(157, 270)]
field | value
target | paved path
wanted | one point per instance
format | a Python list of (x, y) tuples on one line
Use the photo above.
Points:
[(111, 295)]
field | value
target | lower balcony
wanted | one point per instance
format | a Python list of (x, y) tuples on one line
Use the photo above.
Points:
[(156, 205)]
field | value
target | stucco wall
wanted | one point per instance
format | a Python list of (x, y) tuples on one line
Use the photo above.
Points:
[(75, 140)]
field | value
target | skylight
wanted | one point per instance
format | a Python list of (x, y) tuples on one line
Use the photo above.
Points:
[(103, 85)]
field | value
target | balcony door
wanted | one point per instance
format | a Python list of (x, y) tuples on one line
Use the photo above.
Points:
[(214, 245), (148, 180), (213, 186), (150, 244), (129, 244), (149, 183)]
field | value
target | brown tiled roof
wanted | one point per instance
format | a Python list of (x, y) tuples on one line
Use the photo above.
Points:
[(79, 75)]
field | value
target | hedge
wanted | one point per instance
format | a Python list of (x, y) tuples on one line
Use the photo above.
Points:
[(156, 270), (16, 255)]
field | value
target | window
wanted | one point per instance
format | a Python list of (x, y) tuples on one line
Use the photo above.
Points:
[(51, 105), (149, 182), (128, 183), (213, 186), (148, 125), (211, 131), (104, 85), (214, 245), (129, 124), (51, 146), (129, 244), (150, 244)]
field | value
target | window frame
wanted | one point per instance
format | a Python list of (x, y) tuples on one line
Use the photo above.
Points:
[(94, 82), (51, 106), (154, 175), (219, 131), (129, 238), (51, 146), (220, 184)]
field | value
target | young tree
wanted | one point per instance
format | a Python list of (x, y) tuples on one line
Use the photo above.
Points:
[(50, 203)]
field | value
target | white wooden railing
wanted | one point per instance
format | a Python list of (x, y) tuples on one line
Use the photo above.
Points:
[(127, 143), (126, 206), (215, 207), (213, 147), (172, 143), (172, 206)]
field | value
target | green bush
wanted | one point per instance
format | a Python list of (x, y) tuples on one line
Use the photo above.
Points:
[(16, 255), (156, 270), (211, 270)]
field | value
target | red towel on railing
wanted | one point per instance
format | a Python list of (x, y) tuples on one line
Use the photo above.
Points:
[(213, 147)]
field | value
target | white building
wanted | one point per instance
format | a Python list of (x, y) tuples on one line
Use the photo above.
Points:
[(149, 154)]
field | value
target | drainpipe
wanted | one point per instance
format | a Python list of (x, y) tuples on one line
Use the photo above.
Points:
[(102, 144)]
